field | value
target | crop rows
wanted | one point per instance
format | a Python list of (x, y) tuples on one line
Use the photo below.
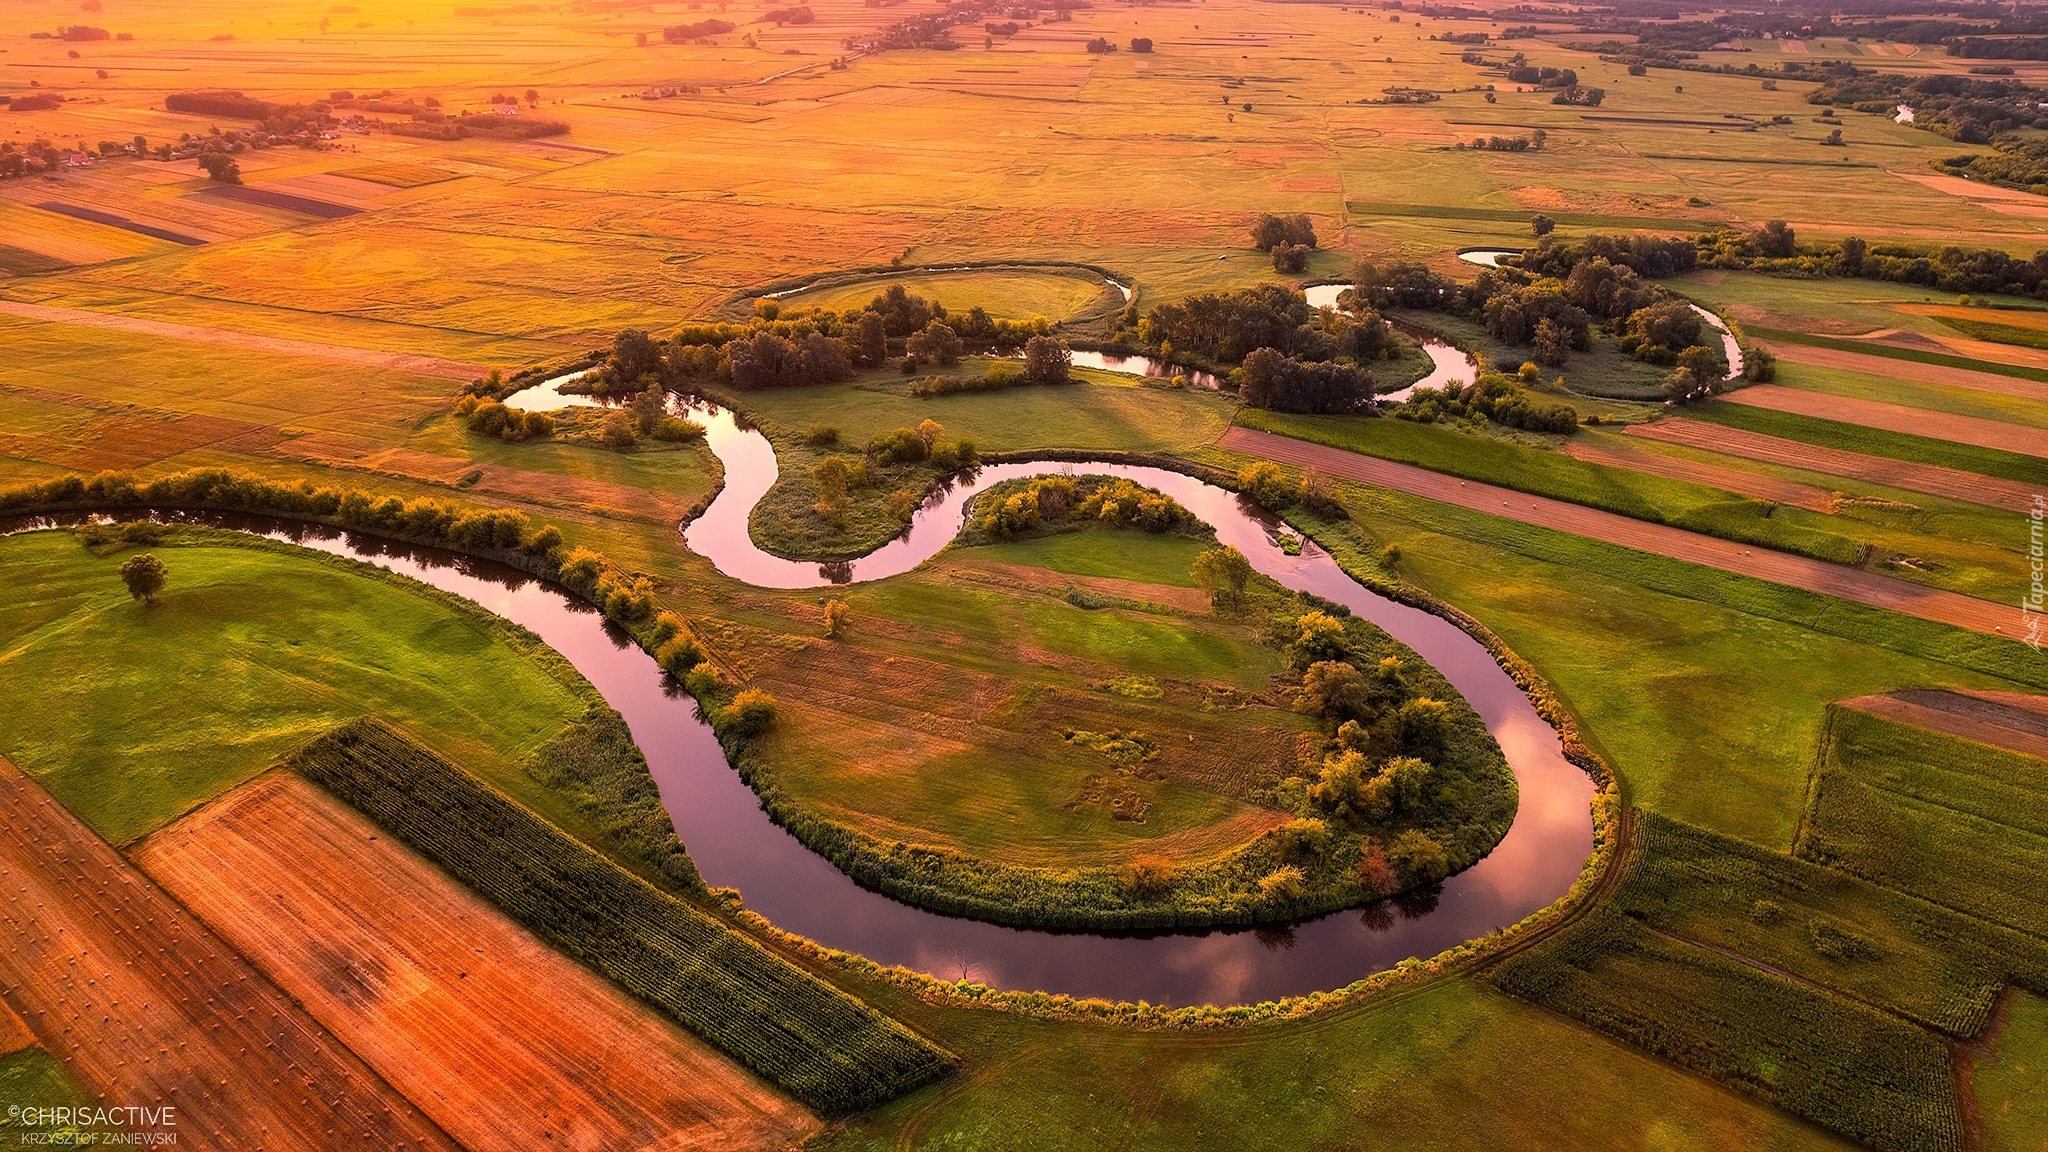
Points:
[(1891, 804), (824, 1047), (1920, 960), (1851, 1068)]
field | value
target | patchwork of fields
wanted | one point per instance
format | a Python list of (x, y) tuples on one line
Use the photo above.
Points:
[(1786, 619)]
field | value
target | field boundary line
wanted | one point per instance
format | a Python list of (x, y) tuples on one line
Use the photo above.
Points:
[(1853, 584)]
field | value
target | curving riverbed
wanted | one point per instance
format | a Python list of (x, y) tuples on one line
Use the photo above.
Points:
[(734, 843)]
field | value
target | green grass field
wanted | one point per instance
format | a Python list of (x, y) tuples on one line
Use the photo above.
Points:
[(1956, 823), (1912, 394), (32, 1078), (145, 711), (1980, 562), (2012, 1087), (1454, 1066), (1652, 656), (1150, 558)]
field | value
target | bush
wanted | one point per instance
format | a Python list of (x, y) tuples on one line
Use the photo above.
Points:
[(1047, 361), (1149, 875), (750, 712), (1418, 858), (1283, 886), (821, 436), (1266, 485)]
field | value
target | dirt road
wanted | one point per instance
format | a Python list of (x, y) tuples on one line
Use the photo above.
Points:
[(1930, 478), (1895, 418), (503, 1041), (1778, 567), (147, 1008), (341, 354)]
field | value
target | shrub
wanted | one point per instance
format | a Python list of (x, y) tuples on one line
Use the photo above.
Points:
[(1047, 361), (750, 712), (821, 436), (1149, 875), (1283, 886), (1266, 485), (678, 655), (836, 613), (1418, 858), (616, 431)]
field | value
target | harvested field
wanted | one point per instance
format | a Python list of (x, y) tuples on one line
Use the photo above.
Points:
[(145, 1006), (505, 1042), (364, 357), (2020, 726), (1907, 370), (1692, 547), (1930, 478), (1696, 472), (1895, 418)]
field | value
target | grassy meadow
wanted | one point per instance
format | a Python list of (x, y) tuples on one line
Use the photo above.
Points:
[(938, 719), (144, 711)]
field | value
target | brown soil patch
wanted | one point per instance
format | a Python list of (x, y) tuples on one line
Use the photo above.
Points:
[(1982, 718), (504, 1042), (1896, 369), (1691, 547), (1896, 418), (362, 357), (1933, 479), (146, 1007), (1697, 472)]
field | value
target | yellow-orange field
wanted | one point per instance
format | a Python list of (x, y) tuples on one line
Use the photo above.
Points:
[(503, 1042)]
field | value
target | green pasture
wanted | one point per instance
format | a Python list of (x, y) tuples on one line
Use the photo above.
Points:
[(141, 712)]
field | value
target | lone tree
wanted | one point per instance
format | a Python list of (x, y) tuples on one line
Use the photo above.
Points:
[(220, 167), (1222, 572), (1046, 360), (145, 576), (1542, 225)]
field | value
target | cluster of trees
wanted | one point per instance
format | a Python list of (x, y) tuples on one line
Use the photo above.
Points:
[(800, 14), (1949, 268), (1550, 297), (818, 346), (836, 477), (1962, 108), (1099, 46), (485, 416), (1291, 358), (1500, 399), (684, 33), (1272, 231), (1385, 741), (1076, 500), (1506, 143), (35, 102), (2015, 162), (1268, 379)]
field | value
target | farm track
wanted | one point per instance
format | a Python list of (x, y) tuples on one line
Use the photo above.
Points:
[(146, 1007), (1899, 369), (505, 1042), (1692, 547), (1697, 472), (341, 354), (1932, 479), (1895, 418)]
